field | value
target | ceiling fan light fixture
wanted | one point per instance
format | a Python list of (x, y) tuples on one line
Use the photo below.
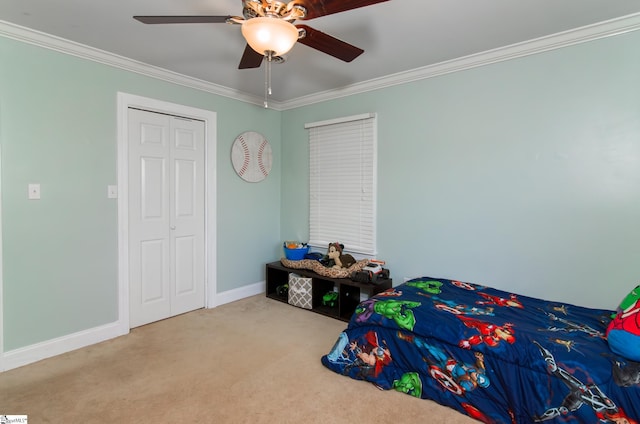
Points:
[(265, 34)]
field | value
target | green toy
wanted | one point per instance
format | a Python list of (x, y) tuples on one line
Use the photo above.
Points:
[(330, 299)]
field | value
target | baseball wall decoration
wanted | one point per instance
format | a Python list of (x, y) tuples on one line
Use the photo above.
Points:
[(251, 156)]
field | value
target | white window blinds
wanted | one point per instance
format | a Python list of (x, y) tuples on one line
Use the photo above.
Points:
[(343, 164)]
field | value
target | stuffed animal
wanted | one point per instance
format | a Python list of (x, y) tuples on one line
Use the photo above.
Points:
[(334, 253), (623, 333)]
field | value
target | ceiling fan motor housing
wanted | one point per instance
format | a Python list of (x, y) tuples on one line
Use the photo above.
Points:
[(274, 9)]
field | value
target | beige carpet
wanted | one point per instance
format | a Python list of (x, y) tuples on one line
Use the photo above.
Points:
[(252, 361)]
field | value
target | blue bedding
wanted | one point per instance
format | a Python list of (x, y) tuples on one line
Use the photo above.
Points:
[(496, 356)]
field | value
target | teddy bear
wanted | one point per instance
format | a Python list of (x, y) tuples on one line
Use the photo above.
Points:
[(334, 253)]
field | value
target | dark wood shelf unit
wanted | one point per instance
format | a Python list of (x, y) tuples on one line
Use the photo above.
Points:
[(350, 292)]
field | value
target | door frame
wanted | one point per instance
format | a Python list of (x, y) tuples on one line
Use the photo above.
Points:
[(125, 101), (1, 276)]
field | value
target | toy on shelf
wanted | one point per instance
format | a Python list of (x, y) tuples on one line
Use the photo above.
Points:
[(295, 251), (330, 299), (374, 266), (282, 290), (372, 272), (335, 257)]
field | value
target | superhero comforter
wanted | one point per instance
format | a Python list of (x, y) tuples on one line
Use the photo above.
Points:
[(495, 356)]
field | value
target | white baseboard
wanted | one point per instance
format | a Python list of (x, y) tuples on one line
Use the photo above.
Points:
[(39, 351), (240, 293), (36, 352)]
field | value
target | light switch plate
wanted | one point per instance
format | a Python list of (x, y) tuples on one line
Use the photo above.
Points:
[(34, 191), (112, 191)]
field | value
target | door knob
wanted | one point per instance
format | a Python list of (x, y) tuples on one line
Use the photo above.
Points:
[(173, 227)]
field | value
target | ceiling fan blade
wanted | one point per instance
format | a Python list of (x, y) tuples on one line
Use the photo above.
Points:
[(328, 44), (250, 59), (317, 8), (182, 19)]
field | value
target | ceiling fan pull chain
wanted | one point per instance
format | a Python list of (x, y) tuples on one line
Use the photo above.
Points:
[(267, 78), (266, 85)]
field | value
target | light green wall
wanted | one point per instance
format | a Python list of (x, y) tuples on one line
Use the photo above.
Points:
[(58, 128), (523, 174)]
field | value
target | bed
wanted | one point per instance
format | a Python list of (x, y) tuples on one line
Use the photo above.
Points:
[(495, 356)]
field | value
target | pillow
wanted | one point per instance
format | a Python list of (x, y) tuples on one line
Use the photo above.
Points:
[(623, 333), (318, 268)]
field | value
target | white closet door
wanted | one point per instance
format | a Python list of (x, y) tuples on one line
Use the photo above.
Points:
[(187, 215), (166, 216)]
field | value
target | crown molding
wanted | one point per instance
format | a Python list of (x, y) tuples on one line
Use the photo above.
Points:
[(584, 34), (51, 42)]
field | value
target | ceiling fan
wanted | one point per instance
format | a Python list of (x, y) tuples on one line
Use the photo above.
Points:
[(267, 25)]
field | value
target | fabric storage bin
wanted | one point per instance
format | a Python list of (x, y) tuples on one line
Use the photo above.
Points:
[(300, 291)]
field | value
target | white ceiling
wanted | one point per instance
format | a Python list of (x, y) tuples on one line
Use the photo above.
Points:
[(397, 36)]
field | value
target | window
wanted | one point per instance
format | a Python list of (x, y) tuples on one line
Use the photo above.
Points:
[(342, 174)]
